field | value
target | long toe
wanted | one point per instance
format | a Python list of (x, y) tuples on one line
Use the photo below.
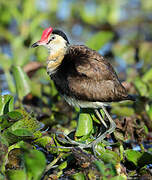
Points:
[(65, 139)]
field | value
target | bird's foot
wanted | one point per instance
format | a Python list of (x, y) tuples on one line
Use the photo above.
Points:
[(101, 138), (65, 139)]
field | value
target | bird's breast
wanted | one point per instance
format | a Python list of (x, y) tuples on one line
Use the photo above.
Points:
[(53, 63), (54, 60), (52, 66)]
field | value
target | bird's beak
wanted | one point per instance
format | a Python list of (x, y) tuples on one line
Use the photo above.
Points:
[(35, 44), (38, 43)]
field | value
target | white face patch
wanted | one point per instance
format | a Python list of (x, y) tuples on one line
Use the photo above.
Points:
[(57, 44), (57, 49)]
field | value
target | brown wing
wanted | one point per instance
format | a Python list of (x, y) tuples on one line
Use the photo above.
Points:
[(89, 77), (94, 66)]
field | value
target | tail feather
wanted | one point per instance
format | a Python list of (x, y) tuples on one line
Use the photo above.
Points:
[(131, 97)]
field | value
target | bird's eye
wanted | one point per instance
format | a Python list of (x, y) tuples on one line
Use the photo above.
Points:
[(53, 37)]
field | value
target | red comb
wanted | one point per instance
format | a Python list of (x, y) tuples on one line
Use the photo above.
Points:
[(46, 33)]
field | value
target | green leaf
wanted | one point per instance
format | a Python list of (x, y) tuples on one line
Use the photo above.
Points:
[(22, 82), (15, 115), (119, 178), (149, 110), (138, 158), (10, 82), (16, 174), (145, 51), (78, 176), (6, 104), (85, 124), (4, 123), (109, 156), (6, 61), (2, 177), (26, 126), (122, 111), (63, 165), (124, 51), (147, 76), (105, 170), (44, 141), (97, 41), (28, 122), (133, 156), (100, 166), (141, 87), (22, 132), (145, 159), (35, 164)]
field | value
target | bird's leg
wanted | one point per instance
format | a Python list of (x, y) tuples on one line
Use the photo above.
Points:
[(100, 138), (97, 112), (109, 131), (70, 141), (83, 118), (112, 123)]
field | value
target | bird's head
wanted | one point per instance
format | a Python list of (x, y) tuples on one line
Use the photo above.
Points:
[(53, 40)]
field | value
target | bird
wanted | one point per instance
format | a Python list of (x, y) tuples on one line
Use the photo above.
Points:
[(83, 77)]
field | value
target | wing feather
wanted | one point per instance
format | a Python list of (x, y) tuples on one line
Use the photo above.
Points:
[(91, 77)]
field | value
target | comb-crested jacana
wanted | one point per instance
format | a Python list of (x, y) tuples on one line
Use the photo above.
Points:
[(82, 76)]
